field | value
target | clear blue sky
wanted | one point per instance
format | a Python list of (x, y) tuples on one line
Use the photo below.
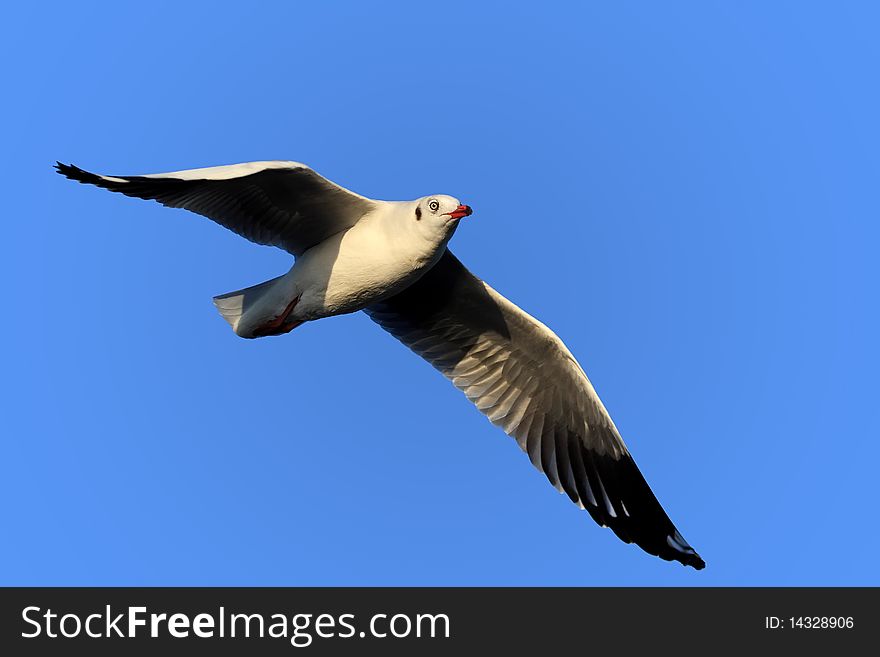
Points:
[(687, 194)]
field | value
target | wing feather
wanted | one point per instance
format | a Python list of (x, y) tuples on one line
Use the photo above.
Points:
[(282, 204), (523, 378)]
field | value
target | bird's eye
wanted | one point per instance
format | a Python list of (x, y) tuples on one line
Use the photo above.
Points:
[(434, 205)]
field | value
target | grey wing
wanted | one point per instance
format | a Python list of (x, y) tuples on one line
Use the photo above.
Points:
[(277, 203), (523, 378)]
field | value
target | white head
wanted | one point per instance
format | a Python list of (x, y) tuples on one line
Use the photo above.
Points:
[(438, 215)]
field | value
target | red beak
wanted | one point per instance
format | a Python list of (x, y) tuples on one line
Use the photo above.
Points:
[(461, 211)]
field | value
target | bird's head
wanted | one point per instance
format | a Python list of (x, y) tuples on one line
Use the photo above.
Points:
[(433, 219), (440, 211)]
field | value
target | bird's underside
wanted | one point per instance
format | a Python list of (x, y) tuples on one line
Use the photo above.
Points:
[(513, 368)]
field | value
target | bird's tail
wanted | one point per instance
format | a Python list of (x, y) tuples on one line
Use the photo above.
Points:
[(233, 305)]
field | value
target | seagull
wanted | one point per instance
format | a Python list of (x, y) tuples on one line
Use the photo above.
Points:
[(391, 260)]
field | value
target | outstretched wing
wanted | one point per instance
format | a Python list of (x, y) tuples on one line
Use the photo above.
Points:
[(524, 379), (283, 204)]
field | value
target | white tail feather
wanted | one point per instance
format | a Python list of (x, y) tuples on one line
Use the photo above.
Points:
[(233, 305)]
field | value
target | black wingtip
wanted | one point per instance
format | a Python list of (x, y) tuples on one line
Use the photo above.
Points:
[(73, 172), (626, 504), (693, 560), (683, 552), (69, 171)]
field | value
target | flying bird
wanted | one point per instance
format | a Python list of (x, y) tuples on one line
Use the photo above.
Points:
[(391, 260)]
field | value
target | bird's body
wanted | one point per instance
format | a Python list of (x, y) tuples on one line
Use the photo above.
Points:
[(390, 259), (365, 264), (350, 270)]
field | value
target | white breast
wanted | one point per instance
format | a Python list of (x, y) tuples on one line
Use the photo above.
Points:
[(359, 267)]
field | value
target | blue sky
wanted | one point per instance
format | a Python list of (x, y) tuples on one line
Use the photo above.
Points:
[(686, 194)]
